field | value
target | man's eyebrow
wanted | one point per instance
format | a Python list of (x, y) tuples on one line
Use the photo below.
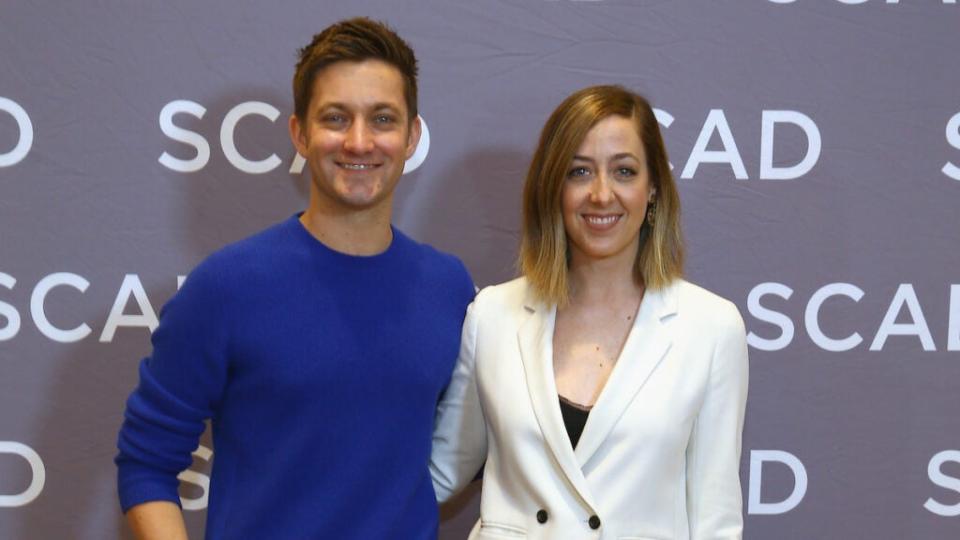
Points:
[(343, 106), (331, 105)]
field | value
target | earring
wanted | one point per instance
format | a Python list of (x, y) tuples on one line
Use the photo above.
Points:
[(652, 213)]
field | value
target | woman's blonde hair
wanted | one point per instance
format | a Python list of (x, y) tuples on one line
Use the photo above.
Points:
[(544, 249)]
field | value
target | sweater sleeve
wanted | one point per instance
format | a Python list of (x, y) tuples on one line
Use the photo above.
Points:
[(180, 384)]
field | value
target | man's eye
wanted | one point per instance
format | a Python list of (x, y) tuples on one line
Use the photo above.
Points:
[(384, 119), (334, 119)]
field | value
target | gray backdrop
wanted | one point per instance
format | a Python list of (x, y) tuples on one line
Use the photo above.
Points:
[(816, 145)]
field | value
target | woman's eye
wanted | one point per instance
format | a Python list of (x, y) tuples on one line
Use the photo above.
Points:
[(578, 172), (626, 172)]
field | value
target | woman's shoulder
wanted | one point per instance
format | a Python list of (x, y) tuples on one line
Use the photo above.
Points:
[(510, 295), (706, 307)]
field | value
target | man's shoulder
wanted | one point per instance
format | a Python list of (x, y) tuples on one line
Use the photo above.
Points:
[(257, 252), (266, 241), (422, 249), (439, 264)]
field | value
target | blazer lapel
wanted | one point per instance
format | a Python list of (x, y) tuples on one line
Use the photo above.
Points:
[(536, 351), (646, 345)]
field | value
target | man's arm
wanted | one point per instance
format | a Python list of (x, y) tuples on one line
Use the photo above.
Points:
[(180, 384), (157, 520)]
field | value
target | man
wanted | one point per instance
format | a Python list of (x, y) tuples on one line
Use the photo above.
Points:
[(318, 347)]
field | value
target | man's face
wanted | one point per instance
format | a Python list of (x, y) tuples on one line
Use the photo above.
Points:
[(356, 135)]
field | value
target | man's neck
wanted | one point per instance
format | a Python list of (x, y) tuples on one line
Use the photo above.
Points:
[(354, 232)]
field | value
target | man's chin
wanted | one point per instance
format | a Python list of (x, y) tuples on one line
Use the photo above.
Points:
[(363, 200), (354, 196)]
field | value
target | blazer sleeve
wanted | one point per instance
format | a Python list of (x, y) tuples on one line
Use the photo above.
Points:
[(459, 434), (714, 501)]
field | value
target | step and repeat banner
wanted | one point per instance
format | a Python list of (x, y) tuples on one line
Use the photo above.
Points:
[(816, 144)]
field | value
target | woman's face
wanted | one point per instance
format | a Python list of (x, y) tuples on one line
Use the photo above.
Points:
[(605, 193)]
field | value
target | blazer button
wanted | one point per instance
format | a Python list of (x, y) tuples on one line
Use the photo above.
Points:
[(542, 516), (594, 522)]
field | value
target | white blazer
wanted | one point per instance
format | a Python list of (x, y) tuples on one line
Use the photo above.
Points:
[(659, 456)]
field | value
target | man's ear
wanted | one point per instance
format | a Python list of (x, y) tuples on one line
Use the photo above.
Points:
[(414, 138), (297, 135)]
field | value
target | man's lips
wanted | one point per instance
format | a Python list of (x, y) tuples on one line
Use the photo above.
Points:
[(351, 166)]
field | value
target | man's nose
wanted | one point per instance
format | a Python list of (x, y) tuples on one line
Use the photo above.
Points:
[(359, 139)]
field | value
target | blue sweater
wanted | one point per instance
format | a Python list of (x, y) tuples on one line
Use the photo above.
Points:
[(321, 373)]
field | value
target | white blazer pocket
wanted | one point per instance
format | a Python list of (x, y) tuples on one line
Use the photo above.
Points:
[(497, 531)]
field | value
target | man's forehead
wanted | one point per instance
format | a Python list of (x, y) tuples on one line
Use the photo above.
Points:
[(368, 84)]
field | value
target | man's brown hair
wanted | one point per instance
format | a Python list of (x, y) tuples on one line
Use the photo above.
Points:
[(354, 40)]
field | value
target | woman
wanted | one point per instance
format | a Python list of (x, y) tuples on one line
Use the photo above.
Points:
[(601, 335)]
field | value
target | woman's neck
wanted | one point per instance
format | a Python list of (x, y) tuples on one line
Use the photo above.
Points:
[(603, 281)]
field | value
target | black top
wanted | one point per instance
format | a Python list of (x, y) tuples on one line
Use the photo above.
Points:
[(574, 418)]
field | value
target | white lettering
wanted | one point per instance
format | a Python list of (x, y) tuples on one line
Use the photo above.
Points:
[(420, 153), (953, 328), (8, 312), (228, 142), (767, 315), (147, 317), (812, 319), (185, 136), (37, 470), (889, 327), (953, 139), (938, 477), (767, 126), (716, 122), (197, 479), (38, 298), (757, 458), (25, 141), (905, 297), (665, 119), (298, 162)]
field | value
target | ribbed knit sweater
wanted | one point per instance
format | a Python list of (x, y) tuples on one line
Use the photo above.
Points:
[(321, 373)]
